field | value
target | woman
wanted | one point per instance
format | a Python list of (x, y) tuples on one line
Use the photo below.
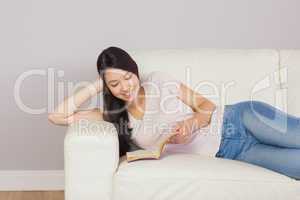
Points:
[(143, 108)]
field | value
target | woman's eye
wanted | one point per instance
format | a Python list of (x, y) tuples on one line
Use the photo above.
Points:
[(114, 85), (128, 77)]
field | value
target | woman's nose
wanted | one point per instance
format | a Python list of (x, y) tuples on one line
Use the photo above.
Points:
[(124, 86)]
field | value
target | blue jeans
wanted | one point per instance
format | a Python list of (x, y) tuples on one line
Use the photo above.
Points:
[(258, 133)]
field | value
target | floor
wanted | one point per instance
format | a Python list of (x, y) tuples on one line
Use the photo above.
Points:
[(28, 195)]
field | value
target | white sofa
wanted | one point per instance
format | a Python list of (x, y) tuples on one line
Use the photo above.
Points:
[(93, 170)]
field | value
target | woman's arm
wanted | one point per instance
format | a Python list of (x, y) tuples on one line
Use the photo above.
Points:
[(202, 106), (66, 113), (203, 109)]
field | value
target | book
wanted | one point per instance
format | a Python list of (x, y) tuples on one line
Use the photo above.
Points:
[(153, 152)]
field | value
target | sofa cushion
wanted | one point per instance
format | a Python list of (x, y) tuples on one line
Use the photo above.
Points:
[(194, 176)]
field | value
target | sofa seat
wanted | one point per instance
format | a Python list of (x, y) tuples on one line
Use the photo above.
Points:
[(181, 176)]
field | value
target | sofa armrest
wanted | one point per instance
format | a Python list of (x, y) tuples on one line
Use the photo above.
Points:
[(91, 157)]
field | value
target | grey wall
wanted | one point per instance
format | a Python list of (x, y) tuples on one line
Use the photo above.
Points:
[(68, 35)]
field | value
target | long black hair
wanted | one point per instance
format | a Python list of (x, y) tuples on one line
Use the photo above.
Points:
[(114, 108)]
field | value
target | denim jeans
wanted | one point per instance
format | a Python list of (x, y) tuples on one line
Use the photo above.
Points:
[(258, 133)]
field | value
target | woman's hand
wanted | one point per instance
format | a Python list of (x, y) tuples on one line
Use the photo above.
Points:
[(183, 132)]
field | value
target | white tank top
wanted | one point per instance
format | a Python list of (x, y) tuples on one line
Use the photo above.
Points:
[(163, 109)]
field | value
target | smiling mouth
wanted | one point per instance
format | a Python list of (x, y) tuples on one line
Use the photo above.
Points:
[(130, 93)]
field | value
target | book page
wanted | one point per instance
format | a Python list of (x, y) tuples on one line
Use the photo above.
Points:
[(153, 152)]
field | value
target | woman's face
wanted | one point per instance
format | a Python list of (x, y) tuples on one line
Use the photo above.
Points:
[(122, 84)]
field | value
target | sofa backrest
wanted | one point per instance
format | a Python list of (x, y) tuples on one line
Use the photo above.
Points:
[(290, 78), (225, 76)]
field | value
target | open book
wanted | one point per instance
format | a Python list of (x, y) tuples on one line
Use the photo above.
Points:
[(154, 152)]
